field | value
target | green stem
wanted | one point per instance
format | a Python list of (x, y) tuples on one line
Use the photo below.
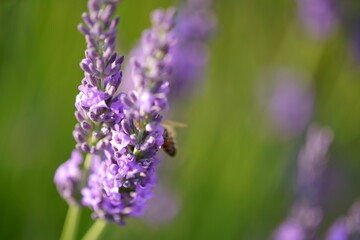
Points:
[(71, 223), (95, 230), (85, 171)]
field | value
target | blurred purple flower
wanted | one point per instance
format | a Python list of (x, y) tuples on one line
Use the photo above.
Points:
[(195, 26), (338, 231), (312, 163), (290, 229), (346, 227), (353, 220), (319, 17), (68, 176), (163, 207), (289, 101), (306, 213)]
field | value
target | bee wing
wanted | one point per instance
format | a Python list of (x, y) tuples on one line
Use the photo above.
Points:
[(171, 130), (174, 124)]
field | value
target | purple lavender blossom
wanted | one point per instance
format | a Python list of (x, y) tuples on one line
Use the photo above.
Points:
[(98, 108), (68, 177), (163, 207), (347, 227), (121, 133), (319, 17), (288, 100), (195, 26), (338, 231), (306, 213), (121, 185), (290, 229)]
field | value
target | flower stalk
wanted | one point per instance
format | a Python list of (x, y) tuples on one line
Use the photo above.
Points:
[(120, 133), (71, 223)]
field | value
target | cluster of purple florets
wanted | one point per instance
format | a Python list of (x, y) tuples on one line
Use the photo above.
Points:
[(307, 215), (120, 133), (196, 24)]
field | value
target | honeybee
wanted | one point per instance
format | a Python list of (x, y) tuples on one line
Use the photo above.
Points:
[(169, 135)]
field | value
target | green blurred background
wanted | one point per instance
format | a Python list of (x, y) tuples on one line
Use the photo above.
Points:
[(233, 177)]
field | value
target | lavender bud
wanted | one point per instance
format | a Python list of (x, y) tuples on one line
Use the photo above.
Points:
[(120, 60), (115, 69), (79, 129), (83, 29), (78, 137), (84, 66), (100, 64), (157, 17), (108, 70), (97, 134), (79, 116), (109, 50), (93, 116), (93, 69), (125, 126), (125, 100), (85, 147), (107, 12), (110, 42), (112, 58), (92, 80), (93, 5), (100, 145), (86, 126), (87, 19), (114, 81), (78, 147), (91, 53), (114, 22), (97, 29), (91, 43)]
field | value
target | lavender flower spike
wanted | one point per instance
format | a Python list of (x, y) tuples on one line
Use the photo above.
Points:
[(120, 186), (98, 108), (195, 26), (319, 17), (289, 102), (306, 213), (346, 227)]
